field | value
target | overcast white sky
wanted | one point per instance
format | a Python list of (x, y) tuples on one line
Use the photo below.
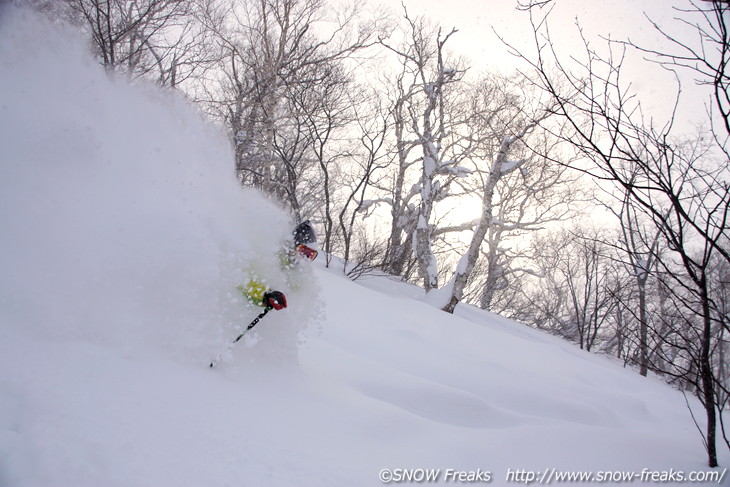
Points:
[(620, 19), (476, 18)]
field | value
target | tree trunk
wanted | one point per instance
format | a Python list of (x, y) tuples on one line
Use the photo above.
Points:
[(707, 377), (643, 331), (468, 261)]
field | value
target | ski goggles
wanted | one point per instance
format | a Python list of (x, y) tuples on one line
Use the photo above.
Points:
[(307, 252)]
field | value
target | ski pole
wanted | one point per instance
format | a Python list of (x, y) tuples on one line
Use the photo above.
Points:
[(253, 323)]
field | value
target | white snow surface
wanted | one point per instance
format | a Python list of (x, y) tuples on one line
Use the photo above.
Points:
[(124, 234)]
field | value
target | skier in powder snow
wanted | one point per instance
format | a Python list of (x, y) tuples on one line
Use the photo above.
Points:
[(300, 247), (259, 294)]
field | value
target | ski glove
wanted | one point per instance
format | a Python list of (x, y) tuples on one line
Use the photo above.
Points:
[(274, 299)]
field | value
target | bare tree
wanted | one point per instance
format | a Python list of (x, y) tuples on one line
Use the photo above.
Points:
[(720, 298), (520, 189), (707, 58), (398, 195), (676, 184), (144, 38), (426, 106), (578, 298), (638, 248), (326, 111), (370, 159), (274, 51)]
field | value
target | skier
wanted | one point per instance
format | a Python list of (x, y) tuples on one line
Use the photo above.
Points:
[(257, 293)]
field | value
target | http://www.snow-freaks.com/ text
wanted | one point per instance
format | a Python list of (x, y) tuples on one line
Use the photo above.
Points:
[(548, 476)]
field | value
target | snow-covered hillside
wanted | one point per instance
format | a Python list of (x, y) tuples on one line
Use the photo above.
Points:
[(124, 235)]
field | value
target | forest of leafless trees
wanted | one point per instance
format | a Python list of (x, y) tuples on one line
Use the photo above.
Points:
[(478, 186)]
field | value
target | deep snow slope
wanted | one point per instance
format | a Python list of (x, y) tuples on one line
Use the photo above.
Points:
[(124, 235), (476, 390), (385, 382)]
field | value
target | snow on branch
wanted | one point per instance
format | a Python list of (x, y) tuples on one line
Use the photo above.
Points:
[(509, 166), (463, 227), (367, 205), (456, 171)]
